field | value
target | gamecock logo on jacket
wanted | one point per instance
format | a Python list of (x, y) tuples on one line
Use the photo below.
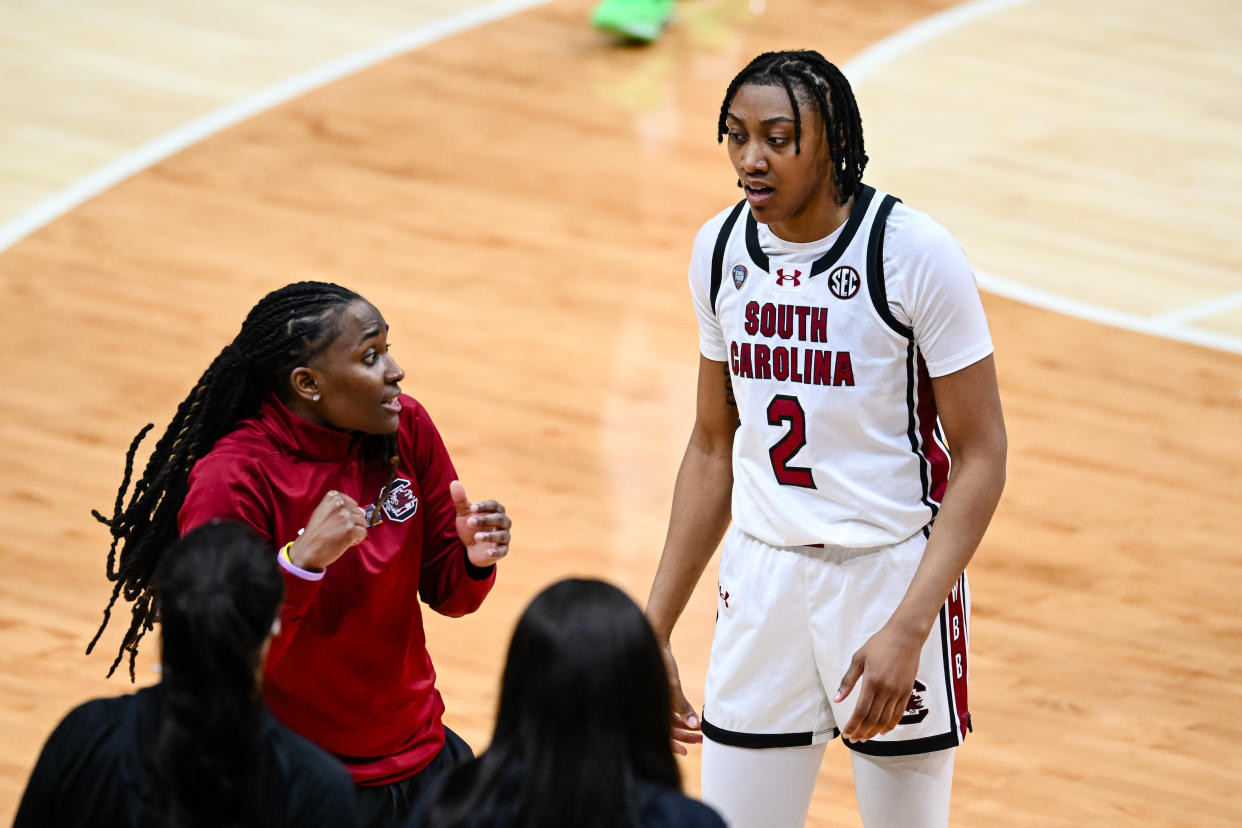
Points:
[(401, 503)]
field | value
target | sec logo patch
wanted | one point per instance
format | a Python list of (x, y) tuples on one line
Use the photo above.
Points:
[(844, 282)]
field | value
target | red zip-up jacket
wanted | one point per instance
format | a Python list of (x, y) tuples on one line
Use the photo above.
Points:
[(350, 669)]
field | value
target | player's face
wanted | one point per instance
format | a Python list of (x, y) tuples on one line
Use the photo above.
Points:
[(356, 377), (791, 192)]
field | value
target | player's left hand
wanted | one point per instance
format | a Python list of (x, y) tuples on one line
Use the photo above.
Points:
[(483, 527), (887, 664)]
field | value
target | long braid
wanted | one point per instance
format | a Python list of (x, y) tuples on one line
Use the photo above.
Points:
[(285, 329), (807, 74), (393, 458)]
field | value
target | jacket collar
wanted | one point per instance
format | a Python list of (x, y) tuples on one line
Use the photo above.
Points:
[(301, 437)]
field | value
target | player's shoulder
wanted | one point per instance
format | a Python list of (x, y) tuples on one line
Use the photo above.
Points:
[(297, 757), (711, 228), (317, 789), (96, 714), (661, 806), (909, 232), (96, 722)]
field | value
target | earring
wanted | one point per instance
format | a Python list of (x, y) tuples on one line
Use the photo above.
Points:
[(316, 397)]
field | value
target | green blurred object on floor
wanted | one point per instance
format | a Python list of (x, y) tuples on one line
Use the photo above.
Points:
[(635, 19)]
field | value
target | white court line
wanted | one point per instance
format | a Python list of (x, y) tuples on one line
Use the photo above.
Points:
[(875, 57), (865, 64), (1065, 306), (1211, 307), (1170, 325), (156, 150)]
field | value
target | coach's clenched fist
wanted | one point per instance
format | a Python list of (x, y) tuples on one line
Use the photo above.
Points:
[(337, 523)]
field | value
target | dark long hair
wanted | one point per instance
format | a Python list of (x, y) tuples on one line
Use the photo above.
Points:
[(583, 716), (808, 74), (286, 329), (220, 591)]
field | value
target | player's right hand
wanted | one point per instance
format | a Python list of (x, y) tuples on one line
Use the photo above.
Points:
[(685, 720), (337, 523)]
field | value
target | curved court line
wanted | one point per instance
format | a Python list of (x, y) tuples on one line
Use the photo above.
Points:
[(1170, 325), (878, 55), (1210, 307), (858, 69), (156, 150)]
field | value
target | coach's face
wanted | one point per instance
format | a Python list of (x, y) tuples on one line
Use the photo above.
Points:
[(789, 190), (352, 385)]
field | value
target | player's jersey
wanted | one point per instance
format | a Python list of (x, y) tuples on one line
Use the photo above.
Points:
[(831, 346)]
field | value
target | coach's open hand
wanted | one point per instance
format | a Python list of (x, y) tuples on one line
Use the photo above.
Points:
[(483, 527)]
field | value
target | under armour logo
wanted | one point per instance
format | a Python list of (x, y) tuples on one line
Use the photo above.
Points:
[(781, 277), (724, 595)]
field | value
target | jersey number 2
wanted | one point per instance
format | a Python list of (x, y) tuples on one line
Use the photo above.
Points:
[(786, 409)]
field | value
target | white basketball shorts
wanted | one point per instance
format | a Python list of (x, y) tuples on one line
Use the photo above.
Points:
[(789, 620)]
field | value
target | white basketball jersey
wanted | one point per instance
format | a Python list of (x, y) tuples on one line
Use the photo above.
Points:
[(829, 346)]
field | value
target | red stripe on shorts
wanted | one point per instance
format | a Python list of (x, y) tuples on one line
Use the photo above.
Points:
[(958, 673)]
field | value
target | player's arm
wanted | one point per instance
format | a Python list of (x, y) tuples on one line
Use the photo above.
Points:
[(970, 413), (700, 515)]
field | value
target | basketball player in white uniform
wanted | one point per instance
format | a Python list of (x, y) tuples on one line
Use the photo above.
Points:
[(844, 349)]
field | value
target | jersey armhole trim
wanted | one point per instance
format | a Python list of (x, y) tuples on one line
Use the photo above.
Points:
[(875, 268), (722, 240)]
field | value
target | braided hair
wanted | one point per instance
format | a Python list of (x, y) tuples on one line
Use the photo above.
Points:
[(287, 328), (807, 75)]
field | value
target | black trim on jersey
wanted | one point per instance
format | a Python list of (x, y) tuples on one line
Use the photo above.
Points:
[(757, 741), (912, 430), (937, 435), (927, 744), (722, 239), (879, 299), (857, 213), (875, 268)]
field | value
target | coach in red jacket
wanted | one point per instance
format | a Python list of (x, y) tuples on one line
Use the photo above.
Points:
[(313, 445)]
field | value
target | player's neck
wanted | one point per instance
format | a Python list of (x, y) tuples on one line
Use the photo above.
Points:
[(817, 221)]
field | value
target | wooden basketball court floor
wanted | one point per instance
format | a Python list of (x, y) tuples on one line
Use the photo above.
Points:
[(519, 197)]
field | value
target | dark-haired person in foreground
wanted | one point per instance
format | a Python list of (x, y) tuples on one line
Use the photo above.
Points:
[(299, 430), (583, 736), (200, 748), (843, 350)]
